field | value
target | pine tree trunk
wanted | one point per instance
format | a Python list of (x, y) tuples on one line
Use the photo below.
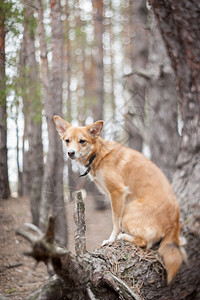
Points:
[(56, 86), (4, 184), (183, 20), (47, 188), (164, 140), (19, 171), (35, 110), (98, 59), (134, 119), (26, 149), (52, 190)]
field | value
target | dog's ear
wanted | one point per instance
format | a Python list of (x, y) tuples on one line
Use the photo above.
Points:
[(95, 129), (61, 125)]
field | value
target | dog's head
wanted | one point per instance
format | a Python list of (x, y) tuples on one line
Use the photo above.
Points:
[(80, 141)]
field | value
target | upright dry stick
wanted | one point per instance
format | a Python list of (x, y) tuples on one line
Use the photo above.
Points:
[(79, 218)]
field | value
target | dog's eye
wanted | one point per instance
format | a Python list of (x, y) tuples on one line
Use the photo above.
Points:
[(82, 141), (67, 141)]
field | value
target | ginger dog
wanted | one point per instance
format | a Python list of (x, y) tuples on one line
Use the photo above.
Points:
[(142, 200)]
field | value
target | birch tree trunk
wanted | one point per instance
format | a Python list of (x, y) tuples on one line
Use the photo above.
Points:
[(179, 24), (4, 184), (52, 190)]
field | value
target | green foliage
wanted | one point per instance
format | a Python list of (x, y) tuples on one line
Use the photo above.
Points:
[(13, 17), (3, 92), (10, 291), (28, 91)]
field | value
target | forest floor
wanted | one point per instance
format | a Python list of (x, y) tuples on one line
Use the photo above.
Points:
[(19, 275)]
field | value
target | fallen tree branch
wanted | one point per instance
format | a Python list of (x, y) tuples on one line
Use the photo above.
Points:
[(34, 228), (115, 271), (27, 235), (43, 247)]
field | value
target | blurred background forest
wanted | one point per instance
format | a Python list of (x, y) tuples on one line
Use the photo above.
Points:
[(84, 60)]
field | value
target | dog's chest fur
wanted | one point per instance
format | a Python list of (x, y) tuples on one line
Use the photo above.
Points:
[(100, 183)]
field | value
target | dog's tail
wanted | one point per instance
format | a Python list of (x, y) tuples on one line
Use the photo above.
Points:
[(172, 253)]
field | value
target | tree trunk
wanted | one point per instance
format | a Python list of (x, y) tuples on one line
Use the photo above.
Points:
[(35, 110), (179, 24), (162, 104), (98, 58), (4, 184), (47, 188), (117, 271), (134, 119), (56, 86), (52, 196), (26, 149), (67, 80), (19, 169)]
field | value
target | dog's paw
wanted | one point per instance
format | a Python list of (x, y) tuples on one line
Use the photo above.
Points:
[(109, 241), (120, 236), (106, 242), (126, 237)]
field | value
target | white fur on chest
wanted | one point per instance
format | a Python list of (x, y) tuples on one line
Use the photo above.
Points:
[(100, 183)]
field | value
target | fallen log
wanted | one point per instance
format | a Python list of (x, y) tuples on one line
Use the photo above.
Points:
[(117, 271)]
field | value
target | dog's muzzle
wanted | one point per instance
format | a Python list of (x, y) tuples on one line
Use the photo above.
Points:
[(71, 154)]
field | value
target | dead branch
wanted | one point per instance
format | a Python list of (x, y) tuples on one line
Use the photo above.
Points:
[(27, 235), (79, 218), (43, 247), (34, 228)]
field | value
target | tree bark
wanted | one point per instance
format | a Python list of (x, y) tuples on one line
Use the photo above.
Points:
[(164, 140), (135, 117), (179, 24), (4, 183)]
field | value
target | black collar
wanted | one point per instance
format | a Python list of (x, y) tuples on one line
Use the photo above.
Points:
[(88, 166)]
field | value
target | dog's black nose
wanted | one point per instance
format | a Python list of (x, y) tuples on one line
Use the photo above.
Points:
[(71, 153)]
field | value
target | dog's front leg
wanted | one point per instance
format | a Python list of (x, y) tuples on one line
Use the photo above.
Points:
[(117, 201)]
